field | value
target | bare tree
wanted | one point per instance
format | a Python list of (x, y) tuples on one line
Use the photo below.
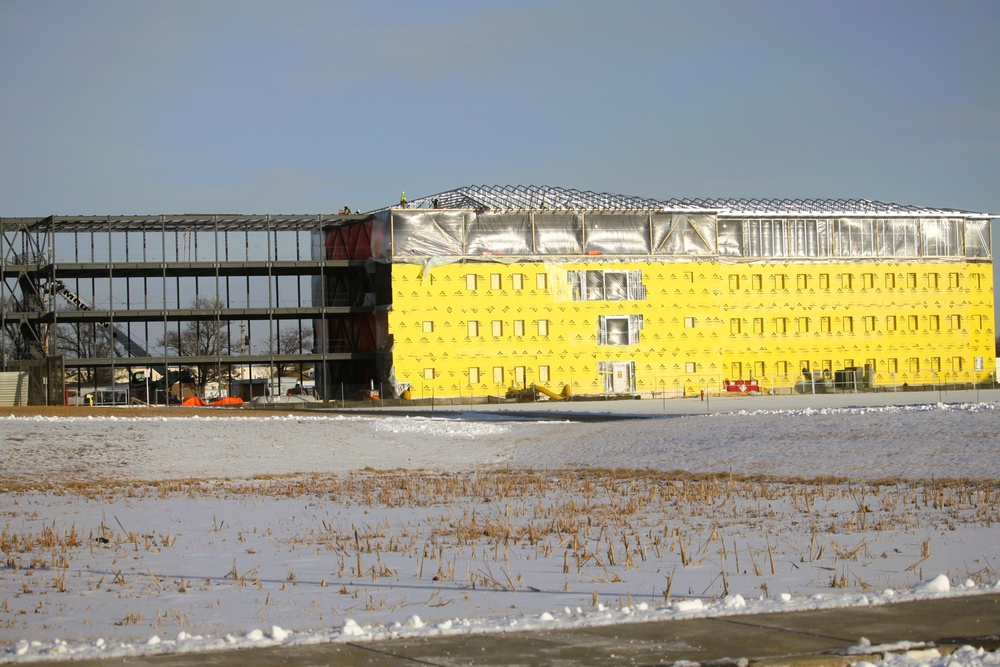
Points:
[(289, 340), (87, 341), (202, 338)]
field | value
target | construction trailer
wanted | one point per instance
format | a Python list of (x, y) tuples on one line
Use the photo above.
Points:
[(482, 290)]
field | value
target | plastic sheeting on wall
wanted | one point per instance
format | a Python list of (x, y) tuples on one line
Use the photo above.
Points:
[(977, 239), (419, 234)]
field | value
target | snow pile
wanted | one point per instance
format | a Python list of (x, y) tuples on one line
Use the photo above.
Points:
[(901, 653), (908, 654)]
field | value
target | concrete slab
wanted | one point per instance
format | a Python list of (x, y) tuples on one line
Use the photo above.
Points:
[(703, 640), (973, 619)]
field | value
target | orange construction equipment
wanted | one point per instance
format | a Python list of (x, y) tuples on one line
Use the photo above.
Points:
[(228, 401)]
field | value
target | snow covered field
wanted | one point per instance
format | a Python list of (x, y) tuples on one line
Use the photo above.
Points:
[(144, 535)]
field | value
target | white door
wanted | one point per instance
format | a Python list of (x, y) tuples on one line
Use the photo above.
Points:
[(621, 378)]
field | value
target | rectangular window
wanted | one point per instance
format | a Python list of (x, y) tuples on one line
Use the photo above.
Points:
[(890, 322), (497, 328), (543, 327), (543, 374), (974, 281), (913, 323), (935, 363), (601, 285), (428, 373), (689, 276), (802, 281), (911, 281), (781, 367), (736, 370), (618, 330), (690, 367), (474, 375), (758, 325), (495, 282), (428, 326), (517, 282), (470, 282), (932, 280), (473, 329), (846, 281), (757, 282), (867, 281), (890, 281), (955, 280), (869, 323), (824, 281), (519, 375), (689, 323), (518, 327), (734, 325), (956, 322), (824, 324), (758, 370), (956, 363), (848, 324), (913, 364), (779, 281), (498, 375), (934, 323), (803, 323), (892, 365), (542, 280), (734, 283), (780, 325)]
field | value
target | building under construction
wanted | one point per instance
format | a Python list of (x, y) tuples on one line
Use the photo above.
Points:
[(487, 291)]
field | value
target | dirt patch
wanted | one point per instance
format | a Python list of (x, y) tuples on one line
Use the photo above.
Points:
[(86, 411)]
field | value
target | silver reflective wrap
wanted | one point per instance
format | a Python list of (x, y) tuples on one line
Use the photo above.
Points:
[(617, 233), (559, 233), (684, 234), (899, 237), (499, 234), (977, 238), (942, 238), (418, 234), (854, 237)]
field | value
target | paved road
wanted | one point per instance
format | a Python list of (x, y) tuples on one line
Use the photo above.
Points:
[(652, 407)]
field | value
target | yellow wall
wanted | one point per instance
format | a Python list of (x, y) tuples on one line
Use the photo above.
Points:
[(764, 320)]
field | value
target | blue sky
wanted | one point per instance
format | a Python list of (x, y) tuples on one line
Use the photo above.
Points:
[(202, 106)]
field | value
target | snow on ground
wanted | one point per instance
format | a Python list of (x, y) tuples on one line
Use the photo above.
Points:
[(126, 536)]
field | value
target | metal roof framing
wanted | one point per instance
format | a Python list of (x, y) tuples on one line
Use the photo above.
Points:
[(540, 197), (186, 222)]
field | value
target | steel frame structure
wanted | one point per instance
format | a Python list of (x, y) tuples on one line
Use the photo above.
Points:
[(250, 275)]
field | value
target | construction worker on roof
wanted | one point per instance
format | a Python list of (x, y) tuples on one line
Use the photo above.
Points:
[(402, 200)]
